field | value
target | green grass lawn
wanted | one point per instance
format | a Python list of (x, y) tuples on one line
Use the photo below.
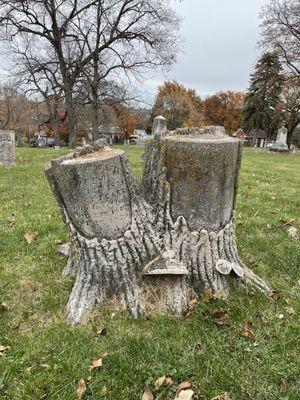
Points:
[(46, 358)]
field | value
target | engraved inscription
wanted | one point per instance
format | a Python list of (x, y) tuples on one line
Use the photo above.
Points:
[(99, 204)]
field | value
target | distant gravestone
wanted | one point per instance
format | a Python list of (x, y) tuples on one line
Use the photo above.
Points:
[(159, 125), (7, 148), (280, 146)]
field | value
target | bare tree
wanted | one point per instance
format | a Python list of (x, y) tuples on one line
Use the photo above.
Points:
[(16, 110), (146, 29), (290, 105), (125, 58), (39, 75), (9, 99), (281, 31), (97, 96)]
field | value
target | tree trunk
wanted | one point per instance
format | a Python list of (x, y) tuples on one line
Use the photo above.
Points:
[(95, 121), (56, 123), (20, 139), (72, 120), (291, 128), (151, 249)]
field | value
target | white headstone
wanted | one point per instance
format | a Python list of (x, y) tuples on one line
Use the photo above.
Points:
[(281, 139), (7, 148), (159, 126), (282, 135)]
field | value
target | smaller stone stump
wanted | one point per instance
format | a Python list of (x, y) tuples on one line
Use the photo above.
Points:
[(280, 145), (7, 148)]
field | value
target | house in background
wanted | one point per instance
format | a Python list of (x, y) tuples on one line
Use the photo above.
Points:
[(111, 132), (63, 128), (239, 134), (40, 139), (256, 138)]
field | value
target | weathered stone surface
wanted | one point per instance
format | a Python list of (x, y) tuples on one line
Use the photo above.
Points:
[(7, 148), (95, 194), (202, 174), (280, 146), (151, 248)]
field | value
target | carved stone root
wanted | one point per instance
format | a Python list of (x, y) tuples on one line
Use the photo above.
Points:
[(150, 249)]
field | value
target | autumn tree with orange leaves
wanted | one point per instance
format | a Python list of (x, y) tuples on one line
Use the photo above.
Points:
[(225, 109), (182, 107)]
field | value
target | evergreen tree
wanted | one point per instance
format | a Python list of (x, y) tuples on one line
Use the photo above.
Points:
[(261, 102)]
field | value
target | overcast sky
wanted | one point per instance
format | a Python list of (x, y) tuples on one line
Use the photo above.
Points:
[(220, 45), (219, 48)]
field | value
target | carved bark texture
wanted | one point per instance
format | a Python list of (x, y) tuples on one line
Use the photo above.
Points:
[(151, 248)]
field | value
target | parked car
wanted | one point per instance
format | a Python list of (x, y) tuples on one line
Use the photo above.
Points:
[(133, 139), (33, 143), (140, 133), (51, 142)]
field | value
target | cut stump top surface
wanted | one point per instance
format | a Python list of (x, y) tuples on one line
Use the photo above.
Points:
[(92, 157), (201, 138)]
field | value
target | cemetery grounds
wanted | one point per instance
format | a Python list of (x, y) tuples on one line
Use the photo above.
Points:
[(247, 346)]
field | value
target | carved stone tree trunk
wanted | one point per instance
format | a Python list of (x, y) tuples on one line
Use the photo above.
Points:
[(151, 248)]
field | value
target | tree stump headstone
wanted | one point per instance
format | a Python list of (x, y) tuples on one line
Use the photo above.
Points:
[(151, 247), (7, 148)]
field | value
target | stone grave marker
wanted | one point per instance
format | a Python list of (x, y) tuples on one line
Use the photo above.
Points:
[(280, 146), (7, 148), (151, 247)]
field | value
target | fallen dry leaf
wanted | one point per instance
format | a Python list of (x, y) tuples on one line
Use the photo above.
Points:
[(199, 345), (15, 324), (11, 220), (97, 362), (185, 395), (104, 391), (282, 386), (275, 295), (290, 310), (81, 388), (101, 331), (3, 307), (169, 380), (159, 382), (219, 316), (184, 385), (193, 302), (247, 332), (191, 308), (293, 233), (222, 397), (287, 222), (45, 366), (147, 395), (30, 236), (3, 349)]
